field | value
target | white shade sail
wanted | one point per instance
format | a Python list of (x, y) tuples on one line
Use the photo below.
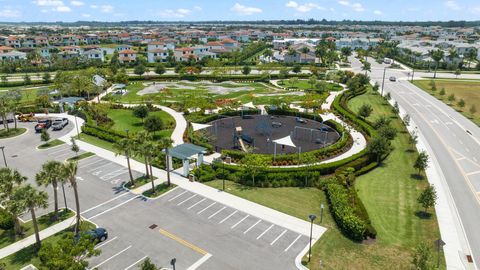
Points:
[(285, 141), (199, 126), (249, 105)]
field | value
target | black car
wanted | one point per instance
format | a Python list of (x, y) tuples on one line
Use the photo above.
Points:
[(98, 234), (43, 124)]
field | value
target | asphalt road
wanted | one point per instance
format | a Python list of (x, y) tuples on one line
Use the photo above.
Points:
[(454, 140)]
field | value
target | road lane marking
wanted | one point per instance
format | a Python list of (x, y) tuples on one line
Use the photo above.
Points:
[(200, 262), (115, 255), (135, 263), (235, 225), (214, 214), (106, 242), (183, 242), (278, 237), (114, 198), (472, 173), (196, 203), (251, 227), (264, 232), (462, 158), (298, 237), (201, 211), (178, 196), (116, 206), (229, 216), (186, 200)]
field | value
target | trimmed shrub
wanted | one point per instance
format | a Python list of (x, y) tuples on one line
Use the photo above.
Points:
[(7, 221)]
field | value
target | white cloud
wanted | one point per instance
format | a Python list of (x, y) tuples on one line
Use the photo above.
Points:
[(244, 10), (49, 3), (476, 10), (303, 8), (9, 13), (94, 6), (63, 9), (452, 5), (197, 8), (355, 6), (106, 8), (77, 3), (86, 15), (177, 13), (377, 12)]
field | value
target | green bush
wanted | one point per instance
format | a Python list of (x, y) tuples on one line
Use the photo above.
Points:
[(102, 133), (7, 221)]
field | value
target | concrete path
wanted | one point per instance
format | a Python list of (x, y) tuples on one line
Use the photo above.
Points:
[(30, 240)]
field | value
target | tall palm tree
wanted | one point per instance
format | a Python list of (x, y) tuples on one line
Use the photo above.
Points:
[(165, 143), (437, 56), (30, 198), (140, 139), (70, 171), (9, 180), (126, 146), (366, 67), (52, 173), (149, 151)]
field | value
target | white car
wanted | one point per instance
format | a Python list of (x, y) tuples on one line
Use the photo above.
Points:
[(392, 79), (59, 123)]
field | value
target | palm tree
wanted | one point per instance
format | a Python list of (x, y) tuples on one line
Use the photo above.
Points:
[(30, 198), (366, 67), (9, 179), (149, 149), (165, 143), (126, 146), (52, 173), (437, 56), (140, 139), (70, 171)]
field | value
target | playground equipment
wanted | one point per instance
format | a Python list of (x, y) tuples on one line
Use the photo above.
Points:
[(241, 138), (264, 126), (27, 117), (318, 136)]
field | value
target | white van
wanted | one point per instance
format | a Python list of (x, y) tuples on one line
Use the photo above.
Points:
[(387, 61)]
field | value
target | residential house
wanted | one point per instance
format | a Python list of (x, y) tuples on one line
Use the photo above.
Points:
[(127, 56), (94, 54), (184, 54)]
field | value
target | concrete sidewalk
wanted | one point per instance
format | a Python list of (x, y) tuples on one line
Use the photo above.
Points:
[(30, 240)]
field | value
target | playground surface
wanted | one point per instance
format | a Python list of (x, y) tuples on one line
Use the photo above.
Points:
[(257, 133)]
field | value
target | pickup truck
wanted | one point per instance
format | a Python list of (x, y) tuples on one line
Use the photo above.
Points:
[(43, 124), (59, 123)]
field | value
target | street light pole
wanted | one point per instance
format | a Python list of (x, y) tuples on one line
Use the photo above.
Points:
[(312, 218), (76, 125), (383, 80), (321, 212), (172, 263), (3, 153), (413, 74)]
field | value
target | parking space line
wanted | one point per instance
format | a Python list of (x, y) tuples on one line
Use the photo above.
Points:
[(135, 263), (278, 237), (264, 232), (251, 227), (201, 211), (115, 255), (214, 214), (89, 163), (200, 262), (196, 203), (186, 200), (178, 196), (298, 237), (235, 225), (106, 242), (183, 242), (223, 220), (91, 170), (116, 206), (114, 198), (472, 173), (113, 173), (58, 151)]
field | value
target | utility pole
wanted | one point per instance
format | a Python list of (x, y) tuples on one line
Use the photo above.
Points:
[(3, 153), (383, 80)]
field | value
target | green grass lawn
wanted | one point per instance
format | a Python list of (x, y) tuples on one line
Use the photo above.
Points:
[(468, 90), (4, 134), (96, 141), (124, 119), (159, 190), (305, 85), (51, 144), (389, 194), (8, 237), (28, 255), (81, 156)]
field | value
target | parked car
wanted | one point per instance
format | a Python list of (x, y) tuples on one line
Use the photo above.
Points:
[(43, 124), (393, 79), (98, 234), (59, 123)]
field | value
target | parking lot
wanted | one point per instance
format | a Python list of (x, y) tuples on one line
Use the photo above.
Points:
[(197, 232)]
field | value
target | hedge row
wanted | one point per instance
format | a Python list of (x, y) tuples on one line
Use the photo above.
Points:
[(195, 77), (102, 133)]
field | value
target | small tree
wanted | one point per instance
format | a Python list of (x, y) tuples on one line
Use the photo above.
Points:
[(396, 108), (160, 69), (47, 78), (413, 139), (246, 70), (148, 265), (388, 132), (141, 112), (458, 72), (153, 123), (451, 97), (26, 79), (388, 96), (365, 110), (427, 198), (461, 103), (378, 147), (421, 163), (74, 146), (473, 109), (442, 91), (139, 69), (253, 164), (45, 136), (433, 86), (406, 120), (422, 258), (297, 69)]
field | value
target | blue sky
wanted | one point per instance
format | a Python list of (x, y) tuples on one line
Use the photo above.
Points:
[(191, 10)]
